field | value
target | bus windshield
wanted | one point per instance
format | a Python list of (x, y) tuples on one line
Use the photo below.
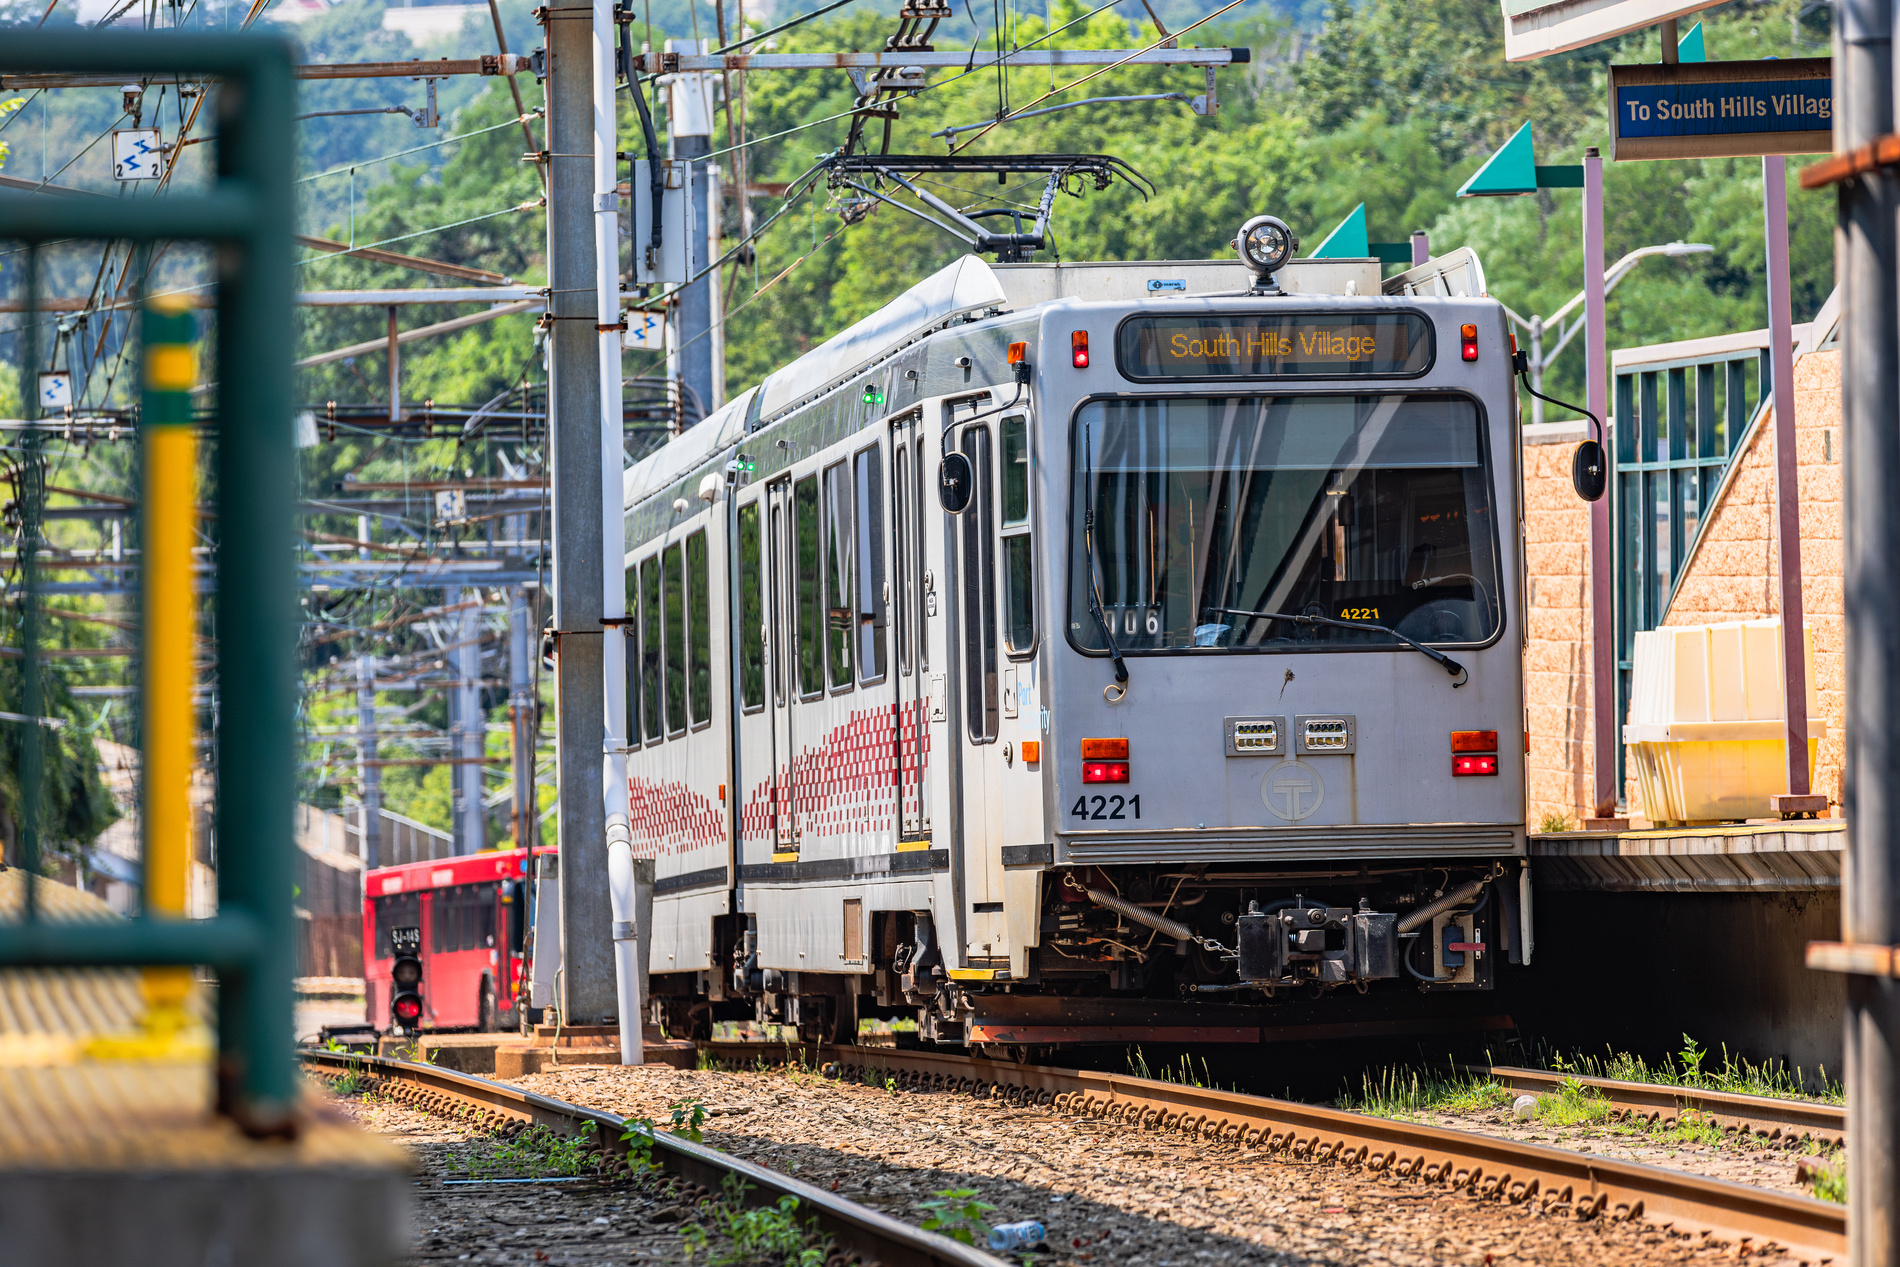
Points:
[(1209, 509)]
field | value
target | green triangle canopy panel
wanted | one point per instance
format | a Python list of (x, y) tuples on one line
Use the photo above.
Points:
[(1347, 241), (1512, 170)]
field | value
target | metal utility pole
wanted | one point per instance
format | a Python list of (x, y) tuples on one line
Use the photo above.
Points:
[(521, 709), (468, 729), (1596, 376), (587, 966), (1794, 660), (1870, 471), (689, 125), (370, 775)]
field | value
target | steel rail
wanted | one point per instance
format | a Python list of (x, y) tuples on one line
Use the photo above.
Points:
[(865, 1236), (1555, 1180), (1769, 1117)]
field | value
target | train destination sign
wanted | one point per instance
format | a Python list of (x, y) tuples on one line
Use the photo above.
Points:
[(1277, 345), (1722, 109)]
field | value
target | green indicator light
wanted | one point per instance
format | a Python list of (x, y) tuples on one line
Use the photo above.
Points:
[(872, 396)]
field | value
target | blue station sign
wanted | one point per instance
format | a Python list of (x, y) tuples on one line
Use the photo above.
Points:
[(1722, 109)]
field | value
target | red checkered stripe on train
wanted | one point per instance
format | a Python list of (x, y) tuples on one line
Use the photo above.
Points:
[(844, 783), (671, 818)]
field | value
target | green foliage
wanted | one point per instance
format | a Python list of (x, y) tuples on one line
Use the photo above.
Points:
[(1408, 1094), (957, 1214), (1691, 1067), (1182, 1071), (1827, 1179), (1572, 1104), (1556, 821), (539, 1153), (638, 1137), (733, 1234), (688, 1117), (74, 803)]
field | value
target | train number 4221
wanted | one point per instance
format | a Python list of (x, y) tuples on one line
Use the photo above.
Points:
[(1097, 808)]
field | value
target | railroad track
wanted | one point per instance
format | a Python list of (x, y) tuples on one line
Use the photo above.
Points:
[(859, 1235), (1556, 1180), (1766, 1117)]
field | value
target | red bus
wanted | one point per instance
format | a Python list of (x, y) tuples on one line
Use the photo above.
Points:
[(471, 914)]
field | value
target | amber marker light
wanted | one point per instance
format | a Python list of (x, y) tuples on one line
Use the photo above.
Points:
[(1104, 750), (1032, 751), (1018, 353), (1474, 741)]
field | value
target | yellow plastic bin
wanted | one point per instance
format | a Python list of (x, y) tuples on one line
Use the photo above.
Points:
[(1706, 731)]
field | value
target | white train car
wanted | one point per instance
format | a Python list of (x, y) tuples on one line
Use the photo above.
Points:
[(1087, 652)]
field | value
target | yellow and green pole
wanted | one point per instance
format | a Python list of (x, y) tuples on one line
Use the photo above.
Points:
[(168, 500)]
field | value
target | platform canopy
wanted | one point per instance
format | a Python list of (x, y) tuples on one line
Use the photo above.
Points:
[(1538, 28)]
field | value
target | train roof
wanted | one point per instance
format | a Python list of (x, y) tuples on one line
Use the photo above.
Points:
[(971, 288)]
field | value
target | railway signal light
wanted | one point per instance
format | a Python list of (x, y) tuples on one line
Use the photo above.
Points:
[(405, 977)]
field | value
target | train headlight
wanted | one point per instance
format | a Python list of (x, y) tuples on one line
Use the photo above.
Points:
[(1265, 244)]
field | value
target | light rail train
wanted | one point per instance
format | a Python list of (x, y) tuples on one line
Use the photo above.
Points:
[(1075, 652)]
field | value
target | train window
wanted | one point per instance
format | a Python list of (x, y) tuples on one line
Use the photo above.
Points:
[(810, 590), (870, 546), (917, 468), (978, 562), (900, 478), (1015, 439), (751, 610), (515, 902), (699, 628), (650, 660), (1019, 566), (673, 590), (631, 631), (841, 609), (1370, 508), (398, 910), (777, 554)]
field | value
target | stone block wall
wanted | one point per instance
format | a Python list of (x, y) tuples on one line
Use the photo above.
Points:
[(1559, 770)]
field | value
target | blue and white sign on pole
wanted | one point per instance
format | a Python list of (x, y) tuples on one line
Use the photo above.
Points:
[(1722, 109), (138, 154), (645, 332), (55, 391)]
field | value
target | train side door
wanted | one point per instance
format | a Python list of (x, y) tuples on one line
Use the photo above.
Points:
[(782, 667), (911, 605), (976, 713)]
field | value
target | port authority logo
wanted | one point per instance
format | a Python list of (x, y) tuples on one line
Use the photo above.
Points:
[(1292, 790)]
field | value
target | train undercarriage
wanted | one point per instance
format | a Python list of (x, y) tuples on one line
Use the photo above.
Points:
[(1145, 953)]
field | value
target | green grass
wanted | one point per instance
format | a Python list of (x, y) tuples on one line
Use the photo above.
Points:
[(1826, 1176), (1182, 1072), (1408, 1094), (1692, 1066), (539, 1153), (729, 1233)]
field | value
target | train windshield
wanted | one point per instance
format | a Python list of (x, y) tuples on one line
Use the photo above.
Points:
[(1211, 509)]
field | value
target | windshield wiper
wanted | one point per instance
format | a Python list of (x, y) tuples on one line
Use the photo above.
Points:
[(1451, 666)]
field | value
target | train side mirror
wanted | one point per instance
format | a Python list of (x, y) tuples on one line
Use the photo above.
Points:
[(1589, 474), (956, 482)]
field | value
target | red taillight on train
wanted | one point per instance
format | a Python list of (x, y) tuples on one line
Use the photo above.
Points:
[(1462, 767), (1468, 341), (1104, 772), (1079, 348)]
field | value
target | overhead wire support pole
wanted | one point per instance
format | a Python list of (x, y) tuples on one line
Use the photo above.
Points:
[(574, 431), (1596, 369), (627, 939)]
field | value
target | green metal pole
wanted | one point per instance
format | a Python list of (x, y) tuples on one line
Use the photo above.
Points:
[(256, 630), (32, 496)]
